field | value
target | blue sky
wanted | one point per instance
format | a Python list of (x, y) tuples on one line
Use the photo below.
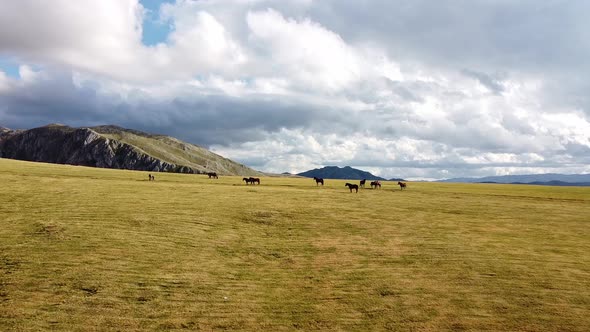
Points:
[(418, 90), (9, 66), (154, 30)]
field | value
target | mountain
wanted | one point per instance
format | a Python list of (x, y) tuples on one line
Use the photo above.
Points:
[(539, 179), (114, 147), (335, 172), (558, 183), (396, 179)]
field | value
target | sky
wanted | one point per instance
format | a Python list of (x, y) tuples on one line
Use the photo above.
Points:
[(413, 89)]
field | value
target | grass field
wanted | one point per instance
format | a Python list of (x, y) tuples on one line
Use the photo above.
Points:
[(85, 249)]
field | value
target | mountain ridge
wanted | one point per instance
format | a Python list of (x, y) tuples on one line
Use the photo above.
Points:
[(110, 146), (539, 179)]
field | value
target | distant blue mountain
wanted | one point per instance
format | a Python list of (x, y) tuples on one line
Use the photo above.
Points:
[(539, 179), (335, 172), (558, 183)]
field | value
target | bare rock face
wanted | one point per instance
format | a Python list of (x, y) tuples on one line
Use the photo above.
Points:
[(5, 133), (82, 146)]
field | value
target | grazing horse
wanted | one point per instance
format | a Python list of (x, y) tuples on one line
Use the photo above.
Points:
[(402, 185), (362, 184), (212, 175), (318, 181), (254, 180), (352, 186), (247, 180), (376, 184)]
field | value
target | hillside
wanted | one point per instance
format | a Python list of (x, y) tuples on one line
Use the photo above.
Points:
[(114, 147), (335, 172)]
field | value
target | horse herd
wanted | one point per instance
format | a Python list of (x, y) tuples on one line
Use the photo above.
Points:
[(250, 180), (352, 186), (318, 181)]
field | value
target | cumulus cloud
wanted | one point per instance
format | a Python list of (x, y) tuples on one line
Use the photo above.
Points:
[(305, 51), (403, 89), (100, 36)]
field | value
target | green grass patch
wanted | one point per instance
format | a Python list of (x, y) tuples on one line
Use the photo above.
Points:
[(99, 249)]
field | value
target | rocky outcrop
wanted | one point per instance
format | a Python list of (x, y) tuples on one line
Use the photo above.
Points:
[(80, 146), (5, 134)]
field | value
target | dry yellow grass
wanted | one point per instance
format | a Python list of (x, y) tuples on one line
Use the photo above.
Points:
[(85, 249)]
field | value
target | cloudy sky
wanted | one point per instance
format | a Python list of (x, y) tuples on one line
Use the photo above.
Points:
[(415, 89)]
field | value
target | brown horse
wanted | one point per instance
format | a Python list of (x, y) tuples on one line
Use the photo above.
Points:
[(362, 184), (402, 185), (352, 186), (254, 180), (376, 184), (212, 175), (247, 180), (318, 181)]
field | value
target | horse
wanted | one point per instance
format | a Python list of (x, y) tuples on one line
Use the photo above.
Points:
[(247, 180), (376, 184), (212, 175), (254, 180), (318, 181), (352, 186), (362, 184), (402, 185)]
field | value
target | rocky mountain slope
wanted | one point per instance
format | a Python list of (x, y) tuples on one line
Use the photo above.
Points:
[(114, 147)]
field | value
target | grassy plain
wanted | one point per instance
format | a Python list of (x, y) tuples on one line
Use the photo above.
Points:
[(85, 249)]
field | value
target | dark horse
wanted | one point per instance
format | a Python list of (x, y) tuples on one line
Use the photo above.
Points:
[(318, 181), (376, 184), (362, 184), (402, 185), (212, 175), (251, 180), (352, 186)]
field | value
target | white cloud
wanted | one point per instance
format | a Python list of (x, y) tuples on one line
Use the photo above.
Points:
[(92, 35), (198, 42), (27, 74), (304, 50)]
